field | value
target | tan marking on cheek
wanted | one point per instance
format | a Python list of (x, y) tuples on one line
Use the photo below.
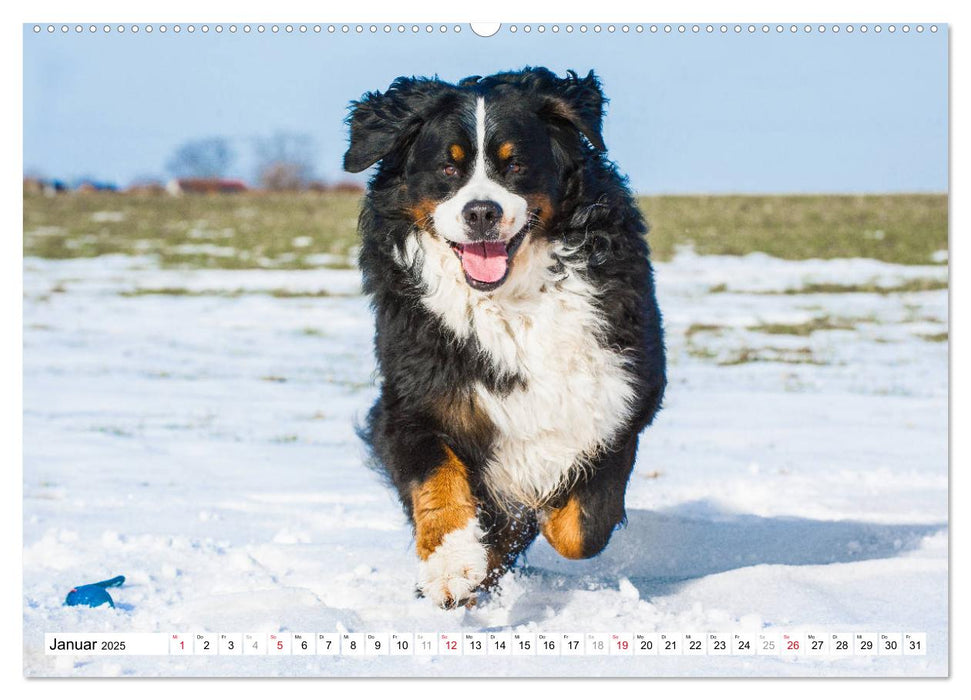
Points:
[(564, 529), (505, 150), (540, 206), (422, 212), (440, 504), (457, 153)]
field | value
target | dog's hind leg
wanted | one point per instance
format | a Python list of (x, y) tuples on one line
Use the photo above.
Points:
[(579, 524)]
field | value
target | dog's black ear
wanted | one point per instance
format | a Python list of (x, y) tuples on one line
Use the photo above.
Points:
[(373, 132), (380, 122), (578, 102)]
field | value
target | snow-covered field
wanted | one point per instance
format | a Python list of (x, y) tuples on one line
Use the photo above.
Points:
[(200, 442)]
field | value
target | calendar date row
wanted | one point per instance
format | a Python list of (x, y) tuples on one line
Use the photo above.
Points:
[(370, 644)]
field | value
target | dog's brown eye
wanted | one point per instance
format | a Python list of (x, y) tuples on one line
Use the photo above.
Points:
[(513, 167), (450, 170)]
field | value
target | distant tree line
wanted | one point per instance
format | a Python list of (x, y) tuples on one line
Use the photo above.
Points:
[(284, 163), (284, 160), (205, 158)]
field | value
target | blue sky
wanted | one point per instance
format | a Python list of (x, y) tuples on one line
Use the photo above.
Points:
[(688, 113)]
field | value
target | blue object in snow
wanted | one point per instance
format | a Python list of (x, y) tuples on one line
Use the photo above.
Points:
[(94, 594)]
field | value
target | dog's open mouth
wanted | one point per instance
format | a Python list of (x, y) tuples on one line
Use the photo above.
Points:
[(487, 263)]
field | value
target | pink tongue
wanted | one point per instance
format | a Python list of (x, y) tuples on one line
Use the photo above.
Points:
[(485, 262)]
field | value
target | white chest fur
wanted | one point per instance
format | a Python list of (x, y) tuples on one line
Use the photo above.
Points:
[(544, 328)]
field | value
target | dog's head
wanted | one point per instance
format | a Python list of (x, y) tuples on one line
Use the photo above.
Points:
[(482, 165)]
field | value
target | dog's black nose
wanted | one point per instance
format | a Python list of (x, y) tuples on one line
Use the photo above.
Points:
[(482, 217)]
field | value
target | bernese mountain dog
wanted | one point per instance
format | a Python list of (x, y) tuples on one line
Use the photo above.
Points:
[(518, 338)]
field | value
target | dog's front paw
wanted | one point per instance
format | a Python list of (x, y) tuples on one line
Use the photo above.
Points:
[(451, 574)]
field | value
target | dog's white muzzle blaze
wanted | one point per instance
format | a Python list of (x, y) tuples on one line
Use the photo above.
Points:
[(483, 218), (450, 216)]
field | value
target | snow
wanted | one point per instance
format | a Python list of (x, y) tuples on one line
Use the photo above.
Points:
[(203, 446)]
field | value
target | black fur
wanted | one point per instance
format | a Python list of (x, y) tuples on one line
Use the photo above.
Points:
[(423, 365)]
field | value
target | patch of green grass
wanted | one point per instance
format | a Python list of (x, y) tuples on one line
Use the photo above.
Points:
[(696, 328), (254, 230), (307, 230), (820, 323), (290, 294), (934, 337), (229, 293), (791, 356), (172, 292), (917, 284), (904, 228), (701, 352)]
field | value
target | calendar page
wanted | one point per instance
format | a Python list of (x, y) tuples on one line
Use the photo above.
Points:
[(513, 349)]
